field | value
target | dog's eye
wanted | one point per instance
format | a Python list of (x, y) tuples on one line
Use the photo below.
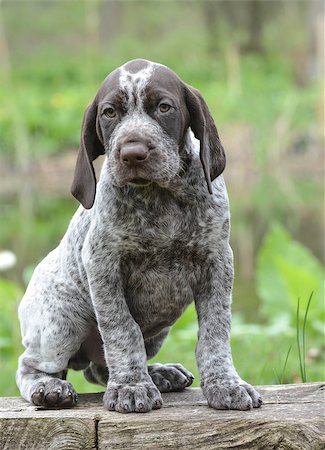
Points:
[(110, 112), (163, 107)]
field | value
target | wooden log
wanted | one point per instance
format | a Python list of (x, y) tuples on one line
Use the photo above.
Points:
[(292, 417)]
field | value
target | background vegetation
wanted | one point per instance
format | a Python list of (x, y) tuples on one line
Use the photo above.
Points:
[(259, 66)]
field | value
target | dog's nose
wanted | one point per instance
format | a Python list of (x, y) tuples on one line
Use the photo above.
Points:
[(133, 153)]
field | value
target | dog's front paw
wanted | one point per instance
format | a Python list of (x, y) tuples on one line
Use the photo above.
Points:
[(222, 394), (137, 397)]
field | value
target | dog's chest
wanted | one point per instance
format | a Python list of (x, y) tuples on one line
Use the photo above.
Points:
[(160, 265), (157, 296), (166, 243)]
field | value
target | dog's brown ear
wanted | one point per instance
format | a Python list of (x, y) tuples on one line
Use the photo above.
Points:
[(84, 182), (212, 155)]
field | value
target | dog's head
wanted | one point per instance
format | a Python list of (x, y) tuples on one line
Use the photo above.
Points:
[(140, 118)]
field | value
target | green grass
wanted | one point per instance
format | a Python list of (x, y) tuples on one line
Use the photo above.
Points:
[(301, 335)]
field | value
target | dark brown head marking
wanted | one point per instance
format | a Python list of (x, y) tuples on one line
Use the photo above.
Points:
[(137, 88)]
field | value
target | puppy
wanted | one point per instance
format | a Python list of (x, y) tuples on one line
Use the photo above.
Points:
[(152, 239)]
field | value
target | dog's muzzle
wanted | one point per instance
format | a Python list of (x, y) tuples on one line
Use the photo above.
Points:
[(134, 157)]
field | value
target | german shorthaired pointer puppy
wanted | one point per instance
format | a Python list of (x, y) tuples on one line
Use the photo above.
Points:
[(154, 237)]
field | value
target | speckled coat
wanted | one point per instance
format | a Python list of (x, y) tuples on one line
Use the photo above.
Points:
[(153, 238)]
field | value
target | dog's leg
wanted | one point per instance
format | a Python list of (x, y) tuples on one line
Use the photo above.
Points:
[(220, 382), (53, 328), (43, 389), (96, 374), (167, 377), (154, 343), (129, 388)]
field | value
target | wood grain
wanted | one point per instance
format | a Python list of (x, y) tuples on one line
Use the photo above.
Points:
[(292, 417)]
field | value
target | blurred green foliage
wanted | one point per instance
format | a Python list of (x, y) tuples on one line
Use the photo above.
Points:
[(286, 271), (51, 105), (10, 347)]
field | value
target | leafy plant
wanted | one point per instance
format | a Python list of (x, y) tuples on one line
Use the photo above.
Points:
[(285, 271)]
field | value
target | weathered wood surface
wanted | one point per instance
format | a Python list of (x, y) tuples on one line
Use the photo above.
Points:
[(292, 417)]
